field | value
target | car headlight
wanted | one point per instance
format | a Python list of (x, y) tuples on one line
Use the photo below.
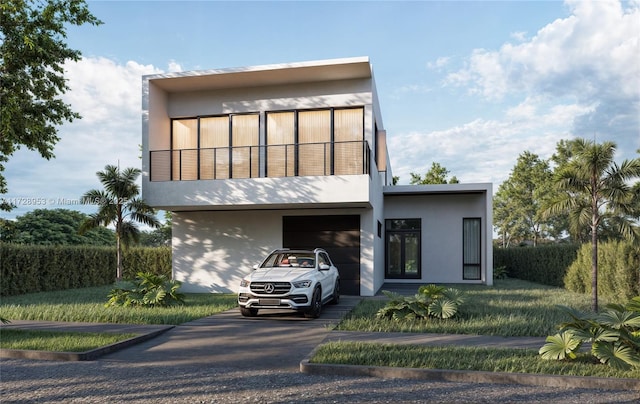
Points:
[(244, 283), (302, 284)]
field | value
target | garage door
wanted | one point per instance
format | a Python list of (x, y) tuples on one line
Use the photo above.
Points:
[(339, 235)]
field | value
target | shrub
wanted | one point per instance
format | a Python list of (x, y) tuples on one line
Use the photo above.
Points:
[(618, 270), (545, 264), (500, 272), (614, 335), (430, 301), (31, 269), (147, 290)]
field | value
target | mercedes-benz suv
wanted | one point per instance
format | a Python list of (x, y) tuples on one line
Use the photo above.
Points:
[(301, 280)]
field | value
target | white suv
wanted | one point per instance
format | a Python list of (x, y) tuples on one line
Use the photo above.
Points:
[(301, 280)]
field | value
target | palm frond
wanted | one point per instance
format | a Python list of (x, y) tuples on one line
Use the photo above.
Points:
[(560, 346), (616, 355)]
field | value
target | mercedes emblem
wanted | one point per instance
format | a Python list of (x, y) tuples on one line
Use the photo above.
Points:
[(269, 288)]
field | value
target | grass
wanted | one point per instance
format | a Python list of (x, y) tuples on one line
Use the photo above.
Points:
[(57, 341), (510, 308), (461, 358), (87, 305)]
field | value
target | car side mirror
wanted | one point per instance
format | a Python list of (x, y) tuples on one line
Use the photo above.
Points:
[(255, 267), (324, 267)]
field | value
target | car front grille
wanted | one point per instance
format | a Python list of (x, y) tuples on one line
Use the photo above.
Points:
[(263, 288)]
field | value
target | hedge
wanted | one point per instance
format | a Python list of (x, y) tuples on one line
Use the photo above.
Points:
[(618, 271), (30, 268), (546, 264)]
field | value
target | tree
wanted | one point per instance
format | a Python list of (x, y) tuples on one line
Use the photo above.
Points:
[(160, 236), (437, 174), (119, 205), (32, 57), (519, 201), (590, 174), (54, 227)]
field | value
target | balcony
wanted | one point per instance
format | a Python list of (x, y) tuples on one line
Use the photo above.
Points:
[(287, 160)]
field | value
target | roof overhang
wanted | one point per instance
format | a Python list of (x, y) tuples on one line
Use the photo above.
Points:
[(265, 75), (476, 188)]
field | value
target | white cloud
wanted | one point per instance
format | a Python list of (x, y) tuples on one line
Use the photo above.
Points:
[(485, 150), (593, 50), (588, 64), (519, 36), (439, 63), (174, 66)]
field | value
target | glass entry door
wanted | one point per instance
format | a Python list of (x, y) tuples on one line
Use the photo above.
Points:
[(403, 249)]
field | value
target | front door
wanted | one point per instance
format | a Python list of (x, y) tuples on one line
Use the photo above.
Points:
[(403, 249)]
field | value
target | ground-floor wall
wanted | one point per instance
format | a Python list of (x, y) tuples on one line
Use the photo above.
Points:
[(214, 250), (441, 246)]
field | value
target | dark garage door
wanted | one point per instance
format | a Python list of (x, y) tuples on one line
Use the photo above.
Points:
[(339, 235)]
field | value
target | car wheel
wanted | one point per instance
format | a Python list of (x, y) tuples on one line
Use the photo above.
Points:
[(336, 293), (248, 312), (316, 305)]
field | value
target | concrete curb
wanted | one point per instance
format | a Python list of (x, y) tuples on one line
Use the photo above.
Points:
[(462, 376), (81, 356)]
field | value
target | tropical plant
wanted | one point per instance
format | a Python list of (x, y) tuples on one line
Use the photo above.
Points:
[(614, 335), (33, 53), (147, 289), (500, 272), (430, 301), (594, 188), (119, 205)]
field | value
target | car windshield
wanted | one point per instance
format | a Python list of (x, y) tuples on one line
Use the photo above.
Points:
[(290, 259)]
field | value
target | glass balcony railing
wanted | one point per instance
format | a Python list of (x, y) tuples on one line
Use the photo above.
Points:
[(288, 160)]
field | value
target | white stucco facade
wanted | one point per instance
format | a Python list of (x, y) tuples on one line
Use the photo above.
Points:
[(222, 227)]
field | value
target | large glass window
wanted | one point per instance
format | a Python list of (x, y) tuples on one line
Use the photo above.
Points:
[(314, 136), (245, 135), (471, 248), (348, 132), (281, 138), (184, 135), (214, 144), (403, 249), (296, 143)]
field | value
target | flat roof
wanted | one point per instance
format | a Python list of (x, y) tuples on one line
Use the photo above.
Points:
[(471, 188), (264, 75)]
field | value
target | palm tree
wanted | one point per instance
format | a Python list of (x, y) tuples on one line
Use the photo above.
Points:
[(594, 190), (119, 205)]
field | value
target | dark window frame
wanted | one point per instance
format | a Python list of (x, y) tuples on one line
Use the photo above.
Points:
[(477, 264), (403, 232)]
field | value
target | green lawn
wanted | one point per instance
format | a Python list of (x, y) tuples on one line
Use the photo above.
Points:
[(510, 308), (39, 340), (87, 305), (461, 358)]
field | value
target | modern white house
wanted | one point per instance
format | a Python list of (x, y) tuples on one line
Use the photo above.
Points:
[(294, 155)]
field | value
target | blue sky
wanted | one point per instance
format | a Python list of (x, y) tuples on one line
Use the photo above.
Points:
[(470, 85)]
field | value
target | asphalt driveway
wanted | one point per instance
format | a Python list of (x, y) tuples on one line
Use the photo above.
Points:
[(275, 339)]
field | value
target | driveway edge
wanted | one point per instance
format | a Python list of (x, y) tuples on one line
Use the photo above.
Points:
[(81, 356), (463, 376)]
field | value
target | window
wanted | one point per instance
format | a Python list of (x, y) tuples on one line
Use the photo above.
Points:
[(403, 248), (348, 131), (315, 142), (214, 143), (471, 248), (281, 137), (245, 139), (184, 139), (314, 134)]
